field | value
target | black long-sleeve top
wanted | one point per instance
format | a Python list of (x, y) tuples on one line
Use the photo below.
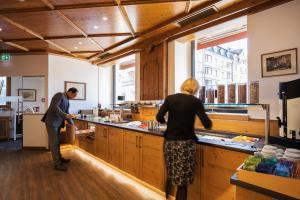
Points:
[(182, 109)]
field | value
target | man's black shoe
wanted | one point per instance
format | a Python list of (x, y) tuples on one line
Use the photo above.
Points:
[(65, 160), (60, 167)]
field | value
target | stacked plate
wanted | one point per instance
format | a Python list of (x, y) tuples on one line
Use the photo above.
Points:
[(269, 151), (292, 154)]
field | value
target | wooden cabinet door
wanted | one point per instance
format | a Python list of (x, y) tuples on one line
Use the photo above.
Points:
[(90, 145), (217, 168), (81, 125), (4, 128), (115, 139), (131, 153), (152, 169), (194, 190), (101, 134)]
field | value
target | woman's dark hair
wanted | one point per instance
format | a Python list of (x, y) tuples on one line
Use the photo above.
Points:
[(73, 90)]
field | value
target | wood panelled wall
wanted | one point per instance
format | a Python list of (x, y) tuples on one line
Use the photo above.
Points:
[(236, 123), (153, 72)]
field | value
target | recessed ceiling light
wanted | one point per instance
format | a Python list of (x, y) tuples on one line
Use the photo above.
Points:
[(75, 47), (80, 43), (0, 29), (104, 18), (96, 27), (21, 0)]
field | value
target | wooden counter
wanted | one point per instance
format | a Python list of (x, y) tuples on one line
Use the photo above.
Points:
[(141, 155)]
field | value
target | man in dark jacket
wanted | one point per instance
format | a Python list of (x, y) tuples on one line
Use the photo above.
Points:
[(54, 118)]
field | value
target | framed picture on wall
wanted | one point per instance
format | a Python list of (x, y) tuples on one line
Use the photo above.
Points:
[(279, 63), (81, 87), (27, 94)]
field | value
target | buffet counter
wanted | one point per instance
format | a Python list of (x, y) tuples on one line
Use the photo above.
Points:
[(138, 152)]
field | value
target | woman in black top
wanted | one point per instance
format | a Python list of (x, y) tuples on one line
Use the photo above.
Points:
[(179, 145)]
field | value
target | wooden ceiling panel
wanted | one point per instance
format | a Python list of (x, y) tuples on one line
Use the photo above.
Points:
[(198, 3), (145, 16), (159, 31), (11, 32), (77, 44), (4, 47), (106, 42), (46, 23), (17, 4), (88, 18), (37, 44), (70, 2)]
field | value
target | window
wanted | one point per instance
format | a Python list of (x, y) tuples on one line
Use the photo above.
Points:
[(229, 63), (2, 88), (125, 80)]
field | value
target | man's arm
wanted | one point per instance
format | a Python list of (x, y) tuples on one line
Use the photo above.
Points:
[(55, 102)]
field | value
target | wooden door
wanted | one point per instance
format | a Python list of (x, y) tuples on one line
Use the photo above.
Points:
[(131, 153), (115, 140), (217, 168), (194, 191), (4, 128), (152, 168), (101, 134), (152, 76)]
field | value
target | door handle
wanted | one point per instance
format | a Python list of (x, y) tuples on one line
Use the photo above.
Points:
[(140, 141), (136, 141)]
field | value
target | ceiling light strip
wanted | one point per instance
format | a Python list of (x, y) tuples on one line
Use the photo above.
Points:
[(21, 27), (16, 46)]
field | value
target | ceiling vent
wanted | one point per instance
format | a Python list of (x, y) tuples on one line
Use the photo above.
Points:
[(201, 14), (104, 55)]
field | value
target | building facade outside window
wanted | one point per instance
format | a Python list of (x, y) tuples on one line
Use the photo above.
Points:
[(125, 80), (222, 64)]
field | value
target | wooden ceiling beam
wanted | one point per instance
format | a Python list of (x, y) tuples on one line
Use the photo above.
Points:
[(125, 17), (237, 10), (69, 37), (156, 27), (12, 22), (86, 5), (16, 46), (70, 22), (188, 6)]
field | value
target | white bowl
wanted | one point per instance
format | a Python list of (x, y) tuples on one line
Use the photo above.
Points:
[(270, 147), (290, 150)]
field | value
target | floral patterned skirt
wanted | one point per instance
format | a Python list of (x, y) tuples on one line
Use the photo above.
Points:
[(180, 157)]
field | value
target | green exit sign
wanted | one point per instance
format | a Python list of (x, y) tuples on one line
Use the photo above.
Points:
[(5, 57)]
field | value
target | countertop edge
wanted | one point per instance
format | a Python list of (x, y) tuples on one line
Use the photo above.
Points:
[(234, 181), (160, 134)]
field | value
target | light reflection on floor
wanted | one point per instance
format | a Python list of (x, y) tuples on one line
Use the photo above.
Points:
[(146, 192)]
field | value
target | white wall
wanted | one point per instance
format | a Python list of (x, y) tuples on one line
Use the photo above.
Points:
[(269, 31), (61, 69), (182, 63), (105, 86)]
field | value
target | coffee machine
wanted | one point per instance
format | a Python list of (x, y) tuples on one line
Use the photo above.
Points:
[(289, 99)]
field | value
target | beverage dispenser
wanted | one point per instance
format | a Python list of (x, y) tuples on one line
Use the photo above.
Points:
[(289, 114)]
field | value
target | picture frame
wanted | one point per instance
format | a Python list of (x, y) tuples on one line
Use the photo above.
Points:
[(27, 94), (81, 87), (279, 63)]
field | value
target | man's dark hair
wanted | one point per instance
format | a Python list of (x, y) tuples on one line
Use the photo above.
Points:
[(73, 90)]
